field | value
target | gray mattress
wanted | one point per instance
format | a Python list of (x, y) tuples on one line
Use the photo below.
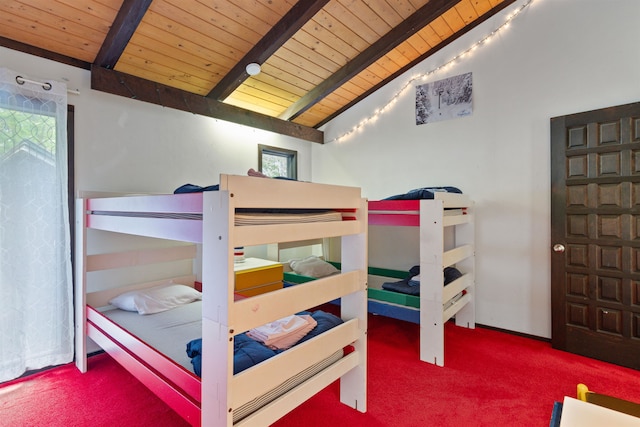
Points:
[(168, 331)]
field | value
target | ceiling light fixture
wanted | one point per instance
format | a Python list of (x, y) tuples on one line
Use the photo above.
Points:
[(253, 69)]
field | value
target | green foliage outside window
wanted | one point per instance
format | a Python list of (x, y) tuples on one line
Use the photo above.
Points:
[(17, 127)]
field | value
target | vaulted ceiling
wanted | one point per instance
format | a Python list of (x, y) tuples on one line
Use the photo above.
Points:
[(317, 57)]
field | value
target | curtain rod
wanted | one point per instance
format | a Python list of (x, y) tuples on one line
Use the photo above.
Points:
[(45, 85)]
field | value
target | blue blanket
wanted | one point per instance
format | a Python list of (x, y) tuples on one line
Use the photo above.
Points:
[(412, 287), (424, 193), (248, 352)]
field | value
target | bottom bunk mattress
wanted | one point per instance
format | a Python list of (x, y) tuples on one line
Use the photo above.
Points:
[(176, 333)]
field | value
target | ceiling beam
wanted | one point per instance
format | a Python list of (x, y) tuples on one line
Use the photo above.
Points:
[(414, 23), (117, 83), (418, 60), (282, 31), (127, 20)]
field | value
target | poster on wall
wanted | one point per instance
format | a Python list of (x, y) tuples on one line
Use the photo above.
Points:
[(444, 99)]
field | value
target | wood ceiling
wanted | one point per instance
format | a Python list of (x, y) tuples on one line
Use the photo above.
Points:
[(317, 57)]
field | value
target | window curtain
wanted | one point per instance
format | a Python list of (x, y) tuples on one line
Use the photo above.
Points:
[(36, 289)]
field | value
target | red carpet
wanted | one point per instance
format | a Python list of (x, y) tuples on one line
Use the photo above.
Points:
[(490, 379)]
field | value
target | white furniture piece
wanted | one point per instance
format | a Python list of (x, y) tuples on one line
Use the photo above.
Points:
[(210, 221), (437, 303)]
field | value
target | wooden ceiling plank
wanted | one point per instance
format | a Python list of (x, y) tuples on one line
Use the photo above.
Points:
[(184, 51), (295, 18), (328, 37), (169, 54), (361, 16), (301, 62), (346, 25), (103, 10), (375, 72), (308, 119), (404, 8), (327, 51), (281, 84), (123, 27), (418, 43), (139, 67), (31, 49), (407, 50), (441, 27), (155, 57), (386, 12), (466, 11), (199, 27), (312, 58), (46, 38), (304, 79), (253, 14), (280, 7), (249, 105), (453, 19), (397, 59), (272, 92), (481, 6), (63, 17), (429, 34), (225, 16), (110, 81), (160, 27), (342, 35), (503, 4), (280, 71), (261, 98), (423, 16)]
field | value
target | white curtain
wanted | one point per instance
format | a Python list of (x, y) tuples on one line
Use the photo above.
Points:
[(36, 290)]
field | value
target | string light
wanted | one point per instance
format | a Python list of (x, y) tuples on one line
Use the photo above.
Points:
[(424, 76)]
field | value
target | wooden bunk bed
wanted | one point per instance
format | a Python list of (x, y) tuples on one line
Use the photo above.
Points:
[(436, 303), (446, 239), (210, 221)]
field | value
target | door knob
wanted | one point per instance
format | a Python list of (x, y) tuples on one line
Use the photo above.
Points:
[(558, 248)]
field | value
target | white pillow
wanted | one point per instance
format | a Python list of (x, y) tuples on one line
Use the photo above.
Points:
[(312, 266), (156, 299)]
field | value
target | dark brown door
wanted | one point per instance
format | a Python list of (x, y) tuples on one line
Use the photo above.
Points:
[(595, 234)]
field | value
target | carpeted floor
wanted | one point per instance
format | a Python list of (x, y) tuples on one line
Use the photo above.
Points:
[(490, 379)]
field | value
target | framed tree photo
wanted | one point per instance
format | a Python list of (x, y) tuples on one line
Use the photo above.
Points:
[(444, 99)]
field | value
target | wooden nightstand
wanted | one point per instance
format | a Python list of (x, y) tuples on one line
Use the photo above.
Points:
[(256, 276)]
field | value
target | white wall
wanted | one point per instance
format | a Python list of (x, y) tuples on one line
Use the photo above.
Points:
[(557, 57), (124, 145)]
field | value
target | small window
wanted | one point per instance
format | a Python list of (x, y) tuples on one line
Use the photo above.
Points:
[(276, 162)]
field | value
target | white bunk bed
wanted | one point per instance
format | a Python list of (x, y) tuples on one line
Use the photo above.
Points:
[(437, 303), (209, 220)]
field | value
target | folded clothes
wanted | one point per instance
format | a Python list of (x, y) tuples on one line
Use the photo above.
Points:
[(283, 333), (248, 352)]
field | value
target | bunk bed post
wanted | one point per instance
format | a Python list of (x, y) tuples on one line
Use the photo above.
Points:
[(431, 279), (465, 235), (353, 385), (217, 297), (80, 285)]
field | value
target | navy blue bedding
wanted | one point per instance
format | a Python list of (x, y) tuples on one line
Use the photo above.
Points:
[(423, 193), (412, 287), (248, 352), (192, 188)]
